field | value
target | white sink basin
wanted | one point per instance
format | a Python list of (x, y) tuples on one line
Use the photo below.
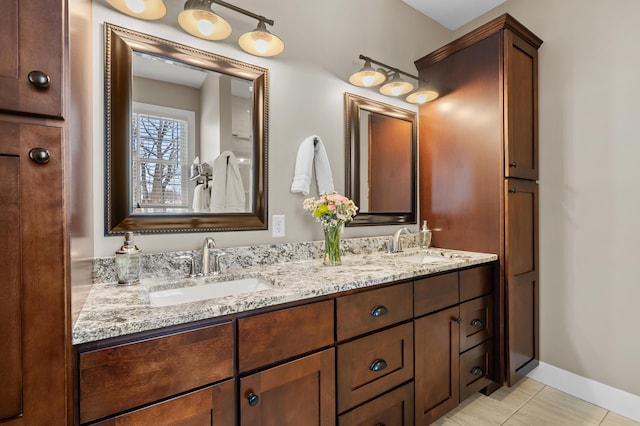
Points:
[(424, 258), (176, 296)]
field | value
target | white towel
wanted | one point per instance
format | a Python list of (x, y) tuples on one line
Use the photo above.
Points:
[(201, 198), (310, 154), (227, 190)]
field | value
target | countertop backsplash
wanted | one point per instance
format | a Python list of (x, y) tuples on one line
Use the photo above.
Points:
[(169, 264)]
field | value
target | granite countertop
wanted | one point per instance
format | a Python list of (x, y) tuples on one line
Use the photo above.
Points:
[(112, 310)]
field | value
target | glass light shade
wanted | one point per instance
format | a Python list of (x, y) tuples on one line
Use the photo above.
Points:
[(203, 23), (143, 9), (396, 86), (260, 42), (367, 76), (422, 96)]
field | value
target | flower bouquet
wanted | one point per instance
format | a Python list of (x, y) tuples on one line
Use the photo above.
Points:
[(332, 211)]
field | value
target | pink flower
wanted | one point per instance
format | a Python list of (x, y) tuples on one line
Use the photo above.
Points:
[(331, 206)]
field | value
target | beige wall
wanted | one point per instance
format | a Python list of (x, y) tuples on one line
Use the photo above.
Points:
[(589, 88)]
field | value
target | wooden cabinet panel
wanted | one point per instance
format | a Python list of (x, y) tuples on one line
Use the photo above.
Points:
[(437, 370), (123, 377), (521, 270), (275, 336), (368, 366), (34, 325), (476, 323), (521, 107), (210, 406), (370, 310), (433, 293), (301, 392), (11, 287), (32, 39), (393, 409), (476, 369), (477, 281)]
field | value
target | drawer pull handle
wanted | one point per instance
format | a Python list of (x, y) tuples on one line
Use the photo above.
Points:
[(39, 79), (477, 322), (458, 320), (253, 399), (379, 311), (378, 365), (512, 190), (477, 371), (513, 164), (39, 155), (381, 424)]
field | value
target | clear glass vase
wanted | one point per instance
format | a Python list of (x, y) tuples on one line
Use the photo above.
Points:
[(332, 244)]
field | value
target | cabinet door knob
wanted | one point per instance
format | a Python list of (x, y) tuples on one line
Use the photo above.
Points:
[(253, 399), (512, 190), (378, 365), (477, 322), (379, 311), (513, 164), (477, 371), (39, 155), (458, 320), (39, 79)]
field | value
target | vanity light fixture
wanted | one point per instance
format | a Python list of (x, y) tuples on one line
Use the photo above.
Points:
[(396, 86), (199, 20), (142, 9)]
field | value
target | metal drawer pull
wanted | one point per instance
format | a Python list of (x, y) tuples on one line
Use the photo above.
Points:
[(512, 190), (458, 320), (477, 371), (379, 311), (253, 399), (378, 365), (39, 155), (381, 424), (477, 322), (39, 79), (514, 164)]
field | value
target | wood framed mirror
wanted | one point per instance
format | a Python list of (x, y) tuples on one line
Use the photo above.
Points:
[(381, 168), (182, 125)]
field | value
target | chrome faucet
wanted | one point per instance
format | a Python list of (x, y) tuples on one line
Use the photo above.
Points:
[(395, 244), (209, 243)]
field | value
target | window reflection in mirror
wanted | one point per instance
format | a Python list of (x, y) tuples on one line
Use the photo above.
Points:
[(381, 149), (184, 116)]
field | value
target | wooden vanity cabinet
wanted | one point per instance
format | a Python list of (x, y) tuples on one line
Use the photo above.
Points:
[(492, 71), (118, 378), (32, 36)]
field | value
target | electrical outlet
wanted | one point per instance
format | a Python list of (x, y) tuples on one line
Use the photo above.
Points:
[(277, 221)]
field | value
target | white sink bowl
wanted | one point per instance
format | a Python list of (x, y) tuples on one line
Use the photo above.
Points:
[(425, 258), (176, 296)]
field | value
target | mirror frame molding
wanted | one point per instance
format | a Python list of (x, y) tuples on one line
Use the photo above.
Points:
[(352, 106), (119, 45)]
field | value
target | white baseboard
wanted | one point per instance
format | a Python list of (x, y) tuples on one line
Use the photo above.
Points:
[(605, 396)]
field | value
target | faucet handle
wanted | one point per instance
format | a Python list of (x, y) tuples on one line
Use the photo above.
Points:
[(192, 269), (216, 261)]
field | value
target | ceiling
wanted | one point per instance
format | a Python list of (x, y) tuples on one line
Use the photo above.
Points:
[(453, 14)]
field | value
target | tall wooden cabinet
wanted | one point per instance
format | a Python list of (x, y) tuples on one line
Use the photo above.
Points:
[(479, 166), (34, 306)]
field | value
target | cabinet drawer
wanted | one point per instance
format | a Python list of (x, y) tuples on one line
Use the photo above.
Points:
[(370, 310), (476, 369), (212, 405), (123, 377), (369, 366), (434, 293), (276, 336), (476, 282), (477, 322), (393, 408)]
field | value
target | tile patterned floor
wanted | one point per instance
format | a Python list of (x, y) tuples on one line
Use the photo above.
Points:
[(530, 403)]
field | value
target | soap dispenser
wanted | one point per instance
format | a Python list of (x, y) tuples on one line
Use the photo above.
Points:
[(128, 261), (425, 235)]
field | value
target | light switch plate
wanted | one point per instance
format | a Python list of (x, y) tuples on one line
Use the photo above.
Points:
[(277, 221)]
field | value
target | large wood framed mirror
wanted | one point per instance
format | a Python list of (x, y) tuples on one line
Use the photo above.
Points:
[(186, 138), (381, 167)]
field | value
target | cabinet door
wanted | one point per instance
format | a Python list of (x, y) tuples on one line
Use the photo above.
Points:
[(33, 316), (437, 370), (301, 392), (521, 272), (31, 57), (521, 107), (210, 406)]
